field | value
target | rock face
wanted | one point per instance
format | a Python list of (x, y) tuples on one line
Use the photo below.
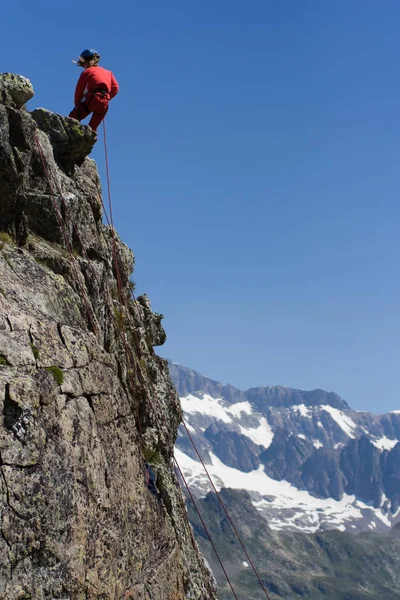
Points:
[(84, 400), (233, 449), (360, 464), (15, 90), (152, 322), (71, 141), (283, 458)]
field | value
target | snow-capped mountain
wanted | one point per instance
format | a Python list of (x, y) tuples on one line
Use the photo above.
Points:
[(308, 461)]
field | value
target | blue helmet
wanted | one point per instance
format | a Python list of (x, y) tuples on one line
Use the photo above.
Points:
[(88, 53), (85, 55)]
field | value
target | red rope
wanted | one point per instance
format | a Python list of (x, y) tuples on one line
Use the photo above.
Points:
[(119, 281), (111, 220), (111, 223), (108, 173), (185, 515), (226, 511), (135, 310), (205, 527)]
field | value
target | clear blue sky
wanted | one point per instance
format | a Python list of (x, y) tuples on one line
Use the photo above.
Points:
[(255, 161)]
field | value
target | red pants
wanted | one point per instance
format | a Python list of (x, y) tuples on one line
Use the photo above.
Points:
[(94, 103)]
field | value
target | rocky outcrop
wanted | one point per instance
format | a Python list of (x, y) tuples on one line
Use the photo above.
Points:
[(15, 90), (360, 463), (285, 455), (235, 450), (391, 473), (71, 141), (84, 400), (321, 474), (391, 425), (152, 322)]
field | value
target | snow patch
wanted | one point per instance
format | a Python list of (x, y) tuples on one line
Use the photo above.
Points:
[(261, 435), (301, 436), (245, 564), (384, 443), (281, 493), (302, 409), (317, 444), (377, 513), (286, 506), (397, 513), (345, 423), (240, 407), (206, 405)]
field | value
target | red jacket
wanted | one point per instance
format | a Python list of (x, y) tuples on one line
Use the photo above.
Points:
[(92, 79)]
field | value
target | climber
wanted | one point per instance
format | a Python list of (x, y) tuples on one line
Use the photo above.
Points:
[(151, 478), (95, 88)]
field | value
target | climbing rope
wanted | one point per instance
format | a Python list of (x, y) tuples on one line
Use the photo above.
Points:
[(129, 357), (185, 516), (225, 510), (205, 528), (108, 173), (111, 223)]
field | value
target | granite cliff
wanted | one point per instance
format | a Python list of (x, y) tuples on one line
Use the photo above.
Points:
[(84, 399)]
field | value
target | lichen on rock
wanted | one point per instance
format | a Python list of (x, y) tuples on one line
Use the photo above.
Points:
[(152, 321), (15, 90), (71, 141), (80, 396)]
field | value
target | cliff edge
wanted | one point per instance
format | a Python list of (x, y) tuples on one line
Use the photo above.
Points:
[(84, 400)]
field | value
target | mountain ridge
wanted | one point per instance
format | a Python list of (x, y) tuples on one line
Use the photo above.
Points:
[(312, 488), (276, 395), (342, 466)]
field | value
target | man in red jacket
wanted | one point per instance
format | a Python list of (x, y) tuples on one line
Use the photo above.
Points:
[(95, 88)]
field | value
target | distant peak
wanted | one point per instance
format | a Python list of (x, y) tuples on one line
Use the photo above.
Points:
[(189, 381), (280, 396)]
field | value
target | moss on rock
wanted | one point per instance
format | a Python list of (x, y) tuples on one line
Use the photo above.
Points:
[(57, 374)]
